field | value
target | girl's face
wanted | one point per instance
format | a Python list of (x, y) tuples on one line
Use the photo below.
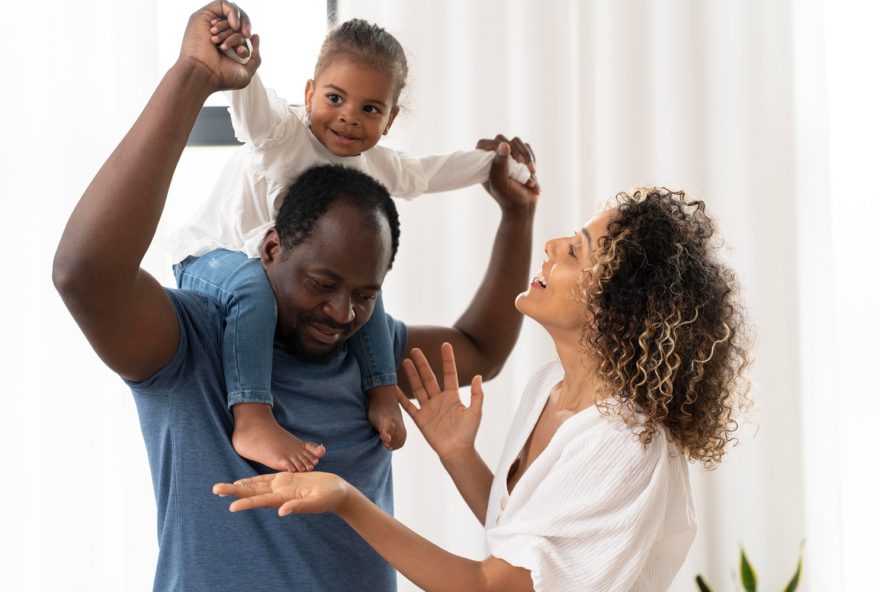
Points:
[(351, 106), (551, 298)]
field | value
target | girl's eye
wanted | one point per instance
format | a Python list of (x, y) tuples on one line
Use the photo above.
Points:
[(334, 98), (371, 109)]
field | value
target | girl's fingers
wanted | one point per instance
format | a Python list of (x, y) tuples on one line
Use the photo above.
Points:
[(218, 26)]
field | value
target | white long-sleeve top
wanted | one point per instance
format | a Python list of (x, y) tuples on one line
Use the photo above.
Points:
[(278, 147), (596, 510)]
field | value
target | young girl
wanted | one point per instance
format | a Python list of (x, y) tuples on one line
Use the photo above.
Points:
[(349, 105)]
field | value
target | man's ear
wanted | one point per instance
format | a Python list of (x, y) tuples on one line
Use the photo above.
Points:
[(270, 248), (391, 119), (309, 93)]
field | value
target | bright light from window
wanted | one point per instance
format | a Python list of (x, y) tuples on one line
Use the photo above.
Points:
[(290, 36)]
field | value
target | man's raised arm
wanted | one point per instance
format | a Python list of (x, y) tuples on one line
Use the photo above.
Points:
[(121, 309), (486, 332)]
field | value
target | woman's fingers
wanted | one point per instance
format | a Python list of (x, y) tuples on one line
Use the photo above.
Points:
[(313, 503), (477, 393), (426, 374), (407, 405), (450, 373), (415, 382), (266, 500)]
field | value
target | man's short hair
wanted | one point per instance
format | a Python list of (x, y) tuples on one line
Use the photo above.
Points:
[(309, 198)]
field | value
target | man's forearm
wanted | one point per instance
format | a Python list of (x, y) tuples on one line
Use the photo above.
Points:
[(491, 321)]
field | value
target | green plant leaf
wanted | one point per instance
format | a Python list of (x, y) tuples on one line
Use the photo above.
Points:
[(746, 573), (795, 579), (701, 584)]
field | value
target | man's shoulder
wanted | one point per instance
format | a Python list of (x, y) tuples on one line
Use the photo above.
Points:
[(195, 305), (201, 332)]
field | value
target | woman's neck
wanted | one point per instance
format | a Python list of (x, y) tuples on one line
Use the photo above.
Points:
[(578, 387)]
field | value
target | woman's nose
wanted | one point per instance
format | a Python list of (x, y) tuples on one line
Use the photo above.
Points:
[(550, 247)]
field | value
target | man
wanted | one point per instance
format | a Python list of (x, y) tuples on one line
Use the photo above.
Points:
[(167, 343)]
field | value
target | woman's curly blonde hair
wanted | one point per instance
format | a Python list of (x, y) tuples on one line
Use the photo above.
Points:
[(664, 326)]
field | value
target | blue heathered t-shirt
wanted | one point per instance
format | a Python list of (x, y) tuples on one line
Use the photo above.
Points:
[(187, 428)]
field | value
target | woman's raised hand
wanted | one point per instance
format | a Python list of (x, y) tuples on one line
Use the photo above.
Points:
[(448, 426), (291, 493)]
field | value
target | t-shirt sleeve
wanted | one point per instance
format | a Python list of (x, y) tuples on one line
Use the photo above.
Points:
[(398, 337), (198, 336), (592, 523)]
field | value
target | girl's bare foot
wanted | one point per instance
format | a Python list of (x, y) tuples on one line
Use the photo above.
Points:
[(385, 416), (258, 437)]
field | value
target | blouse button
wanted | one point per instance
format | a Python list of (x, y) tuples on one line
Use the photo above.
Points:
[(504, 500), (498, 520)]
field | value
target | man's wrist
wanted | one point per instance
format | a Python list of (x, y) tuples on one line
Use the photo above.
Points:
[(199, 79), (524, 210)]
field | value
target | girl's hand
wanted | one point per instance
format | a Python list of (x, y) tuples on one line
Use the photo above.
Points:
[(291, 493), (448, 426)]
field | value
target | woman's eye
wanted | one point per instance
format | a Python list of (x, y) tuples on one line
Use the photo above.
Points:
[(571, 250)]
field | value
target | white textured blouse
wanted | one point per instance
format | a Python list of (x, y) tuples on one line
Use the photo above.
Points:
[(596, 510), (278, 147)]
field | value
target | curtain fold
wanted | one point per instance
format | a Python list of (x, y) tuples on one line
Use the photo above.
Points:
[(699, 96)]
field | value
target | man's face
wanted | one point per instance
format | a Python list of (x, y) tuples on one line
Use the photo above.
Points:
[(326, 287)]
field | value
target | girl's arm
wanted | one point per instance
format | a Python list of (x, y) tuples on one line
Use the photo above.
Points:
[(409, 177), (425, 564), (255, 114)]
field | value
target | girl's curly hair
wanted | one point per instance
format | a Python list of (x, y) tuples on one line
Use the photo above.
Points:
[(664, 325)]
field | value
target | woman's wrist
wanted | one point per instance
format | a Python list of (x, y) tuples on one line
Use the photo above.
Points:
[(458, 456), (349, 500)]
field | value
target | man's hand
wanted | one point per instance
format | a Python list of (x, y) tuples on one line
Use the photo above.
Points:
[(199, 47), (508, 193)]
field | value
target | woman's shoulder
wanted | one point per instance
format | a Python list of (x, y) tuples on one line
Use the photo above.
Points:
[(543, 379)]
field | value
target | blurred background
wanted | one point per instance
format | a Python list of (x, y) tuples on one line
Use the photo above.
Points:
[(767, 110)]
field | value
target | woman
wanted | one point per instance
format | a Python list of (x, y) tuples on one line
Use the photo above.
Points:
[(592, 488)]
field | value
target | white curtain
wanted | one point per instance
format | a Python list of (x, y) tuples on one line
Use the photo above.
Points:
[(725, 99), (722, 99)]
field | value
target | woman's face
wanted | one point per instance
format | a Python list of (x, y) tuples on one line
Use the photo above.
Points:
[(551, 298)]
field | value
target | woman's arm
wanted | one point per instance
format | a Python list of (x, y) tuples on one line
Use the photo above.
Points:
[(425, 564), (448, 426)]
